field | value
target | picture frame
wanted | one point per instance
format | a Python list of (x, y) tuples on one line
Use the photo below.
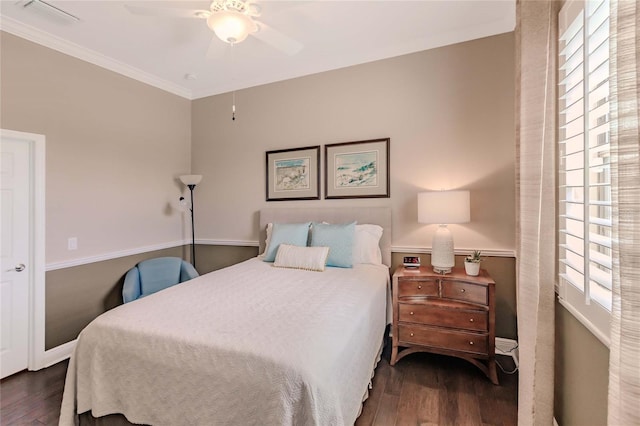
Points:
[(357, 169), (293, 174)]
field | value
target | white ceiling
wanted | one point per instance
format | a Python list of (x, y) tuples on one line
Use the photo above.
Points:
[(163, 50)]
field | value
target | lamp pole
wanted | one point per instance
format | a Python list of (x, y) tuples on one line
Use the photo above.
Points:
[(191, 181), (193, 230)]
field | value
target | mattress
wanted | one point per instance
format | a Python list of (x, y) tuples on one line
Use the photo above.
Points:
[(251, 344)]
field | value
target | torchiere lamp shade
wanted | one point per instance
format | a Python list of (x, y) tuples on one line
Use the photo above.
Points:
[(191, 179)]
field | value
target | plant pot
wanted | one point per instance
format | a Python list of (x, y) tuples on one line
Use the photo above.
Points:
[(472, 268)]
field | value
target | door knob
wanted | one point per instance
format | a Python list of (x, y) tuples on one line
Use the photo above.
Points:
[(19, 267)]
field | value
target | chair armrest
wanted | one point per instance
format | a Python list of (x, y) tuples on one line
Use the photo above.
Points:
[(131, 287), (187, 272)]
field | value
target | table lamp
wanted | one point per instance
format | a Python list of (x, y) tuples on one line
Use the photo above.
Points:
[(443, 208)]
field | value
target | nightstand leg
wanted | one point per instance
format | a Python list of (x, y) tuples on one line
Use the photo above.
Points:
[(394, 354), (493, 373)]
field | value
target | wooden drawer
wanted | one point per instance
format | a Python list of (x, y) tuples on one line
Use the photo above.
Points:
[(442, 338), (454, 318), (467, 292), (407, 288)]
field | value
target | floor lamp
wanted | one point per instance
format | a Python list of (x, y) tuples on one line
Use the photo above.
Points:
[(191, 181), (443, 208)]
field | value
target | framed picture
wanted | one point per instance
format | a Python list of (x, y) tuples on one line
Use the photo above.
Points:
[(357, 169), (293, 174)]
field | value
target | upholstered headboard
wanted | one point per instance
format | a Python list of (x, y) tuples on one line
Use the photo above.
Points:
[(375, 215)]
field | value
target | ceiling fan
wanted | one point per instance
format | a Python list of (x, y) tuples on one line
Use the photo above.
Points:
[(231, 21)]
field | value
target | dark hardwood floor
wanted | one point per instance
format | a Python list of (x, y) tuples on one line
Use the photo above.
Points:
[(32, 397), (421, 390), (427, 389)]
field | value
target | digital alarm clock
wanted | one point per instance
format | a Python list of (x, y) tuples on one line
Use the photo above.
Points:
[(411, 262)]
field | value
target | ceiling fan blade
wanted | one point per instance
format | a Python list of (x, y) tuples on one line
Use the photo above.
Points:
[(276, 39), (167, 11)]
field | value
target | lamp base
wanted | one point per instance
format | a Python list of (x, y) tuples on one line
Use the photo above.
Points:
[(442, 256), (443, 271)]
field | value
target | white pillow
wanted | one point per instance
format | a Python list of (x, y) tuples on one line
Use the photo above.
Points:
[(296, 257), (267, 241), (366, 244)]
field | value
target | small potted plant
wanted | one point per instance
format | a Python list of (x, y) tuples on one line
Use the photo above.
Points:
[(472, 263)]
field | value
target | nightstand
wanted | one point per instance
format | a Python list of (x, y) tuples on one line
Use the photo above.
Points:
[(452, 314)]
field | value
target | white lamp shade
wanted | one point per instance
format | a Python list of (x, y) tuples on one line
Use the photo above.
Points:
[(231, 26), (191, 179), (444, 207)]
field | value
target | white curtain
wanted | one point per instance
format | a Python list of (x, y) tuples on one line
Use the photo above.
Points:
[(536, 34), (624, 358)]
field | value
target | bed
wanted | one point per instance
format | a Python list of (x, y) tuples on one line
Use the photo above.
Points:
[(248, 344)]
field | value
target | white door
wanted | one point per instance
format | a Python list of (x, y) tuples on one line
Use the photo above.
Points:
[(15, 254)]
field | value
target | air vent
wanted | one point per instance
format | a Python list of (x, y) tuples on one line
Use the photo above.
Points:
[(51, 10)]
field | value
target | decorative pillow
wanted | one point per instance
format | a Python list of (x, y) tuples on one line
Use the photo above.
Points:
[(366, 244), (295, 234), (339, 239), (308, 258)]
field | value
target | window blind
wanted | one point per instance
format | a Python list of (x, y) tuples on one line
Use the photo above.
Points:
[(584, 176)]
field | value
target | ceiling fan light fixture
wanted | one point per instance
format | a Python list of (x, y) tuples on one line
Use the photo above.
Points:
[(231, 26)]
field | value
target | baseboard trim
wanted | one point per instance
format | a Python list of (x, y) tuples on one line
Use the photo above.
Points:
[(57, 354)]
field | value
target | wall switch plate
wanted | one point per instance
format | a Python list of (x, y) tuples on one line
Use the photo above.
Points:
[(72, 243)]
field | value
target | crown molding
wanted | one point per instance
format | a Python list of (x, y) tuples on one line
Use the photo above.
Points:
[(46, 39)]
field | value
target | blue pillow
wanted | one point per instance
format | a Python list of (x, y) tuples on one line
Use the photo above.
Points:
[(295, 234), (339, 239)]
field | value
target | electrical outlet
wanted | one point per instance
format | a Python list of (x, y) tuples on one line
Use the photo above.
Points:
[(72, 243)]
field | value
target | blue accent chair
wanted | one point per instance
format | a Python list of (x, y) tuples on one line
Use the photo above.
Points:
[(150, 276)]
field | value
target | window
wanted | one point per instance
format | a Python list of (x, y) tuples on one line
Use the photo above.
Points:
[(584, 193)]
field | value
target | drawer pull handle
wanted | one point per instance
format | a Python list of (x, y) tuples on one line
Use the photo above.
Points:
[(470, 319), (462, 290), (411, 313), (411, 334), (419, 287), (471, 343)]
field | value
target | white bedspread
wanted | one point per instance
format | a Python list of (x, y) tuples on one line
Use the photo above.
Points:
[(249, 344)]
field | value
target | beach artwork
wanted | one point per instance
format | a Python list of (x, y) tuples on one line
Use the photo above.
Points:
[(292, 174), (356, 169)]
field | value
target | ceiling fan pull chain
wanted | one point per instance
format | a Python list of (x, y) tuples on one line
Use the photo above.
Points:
[(233, 106)]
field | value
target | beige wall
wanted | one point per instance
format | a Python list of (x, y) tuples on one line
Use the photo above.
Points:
[(114, 147), (77, 295), (449, 113), (581, 373)]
